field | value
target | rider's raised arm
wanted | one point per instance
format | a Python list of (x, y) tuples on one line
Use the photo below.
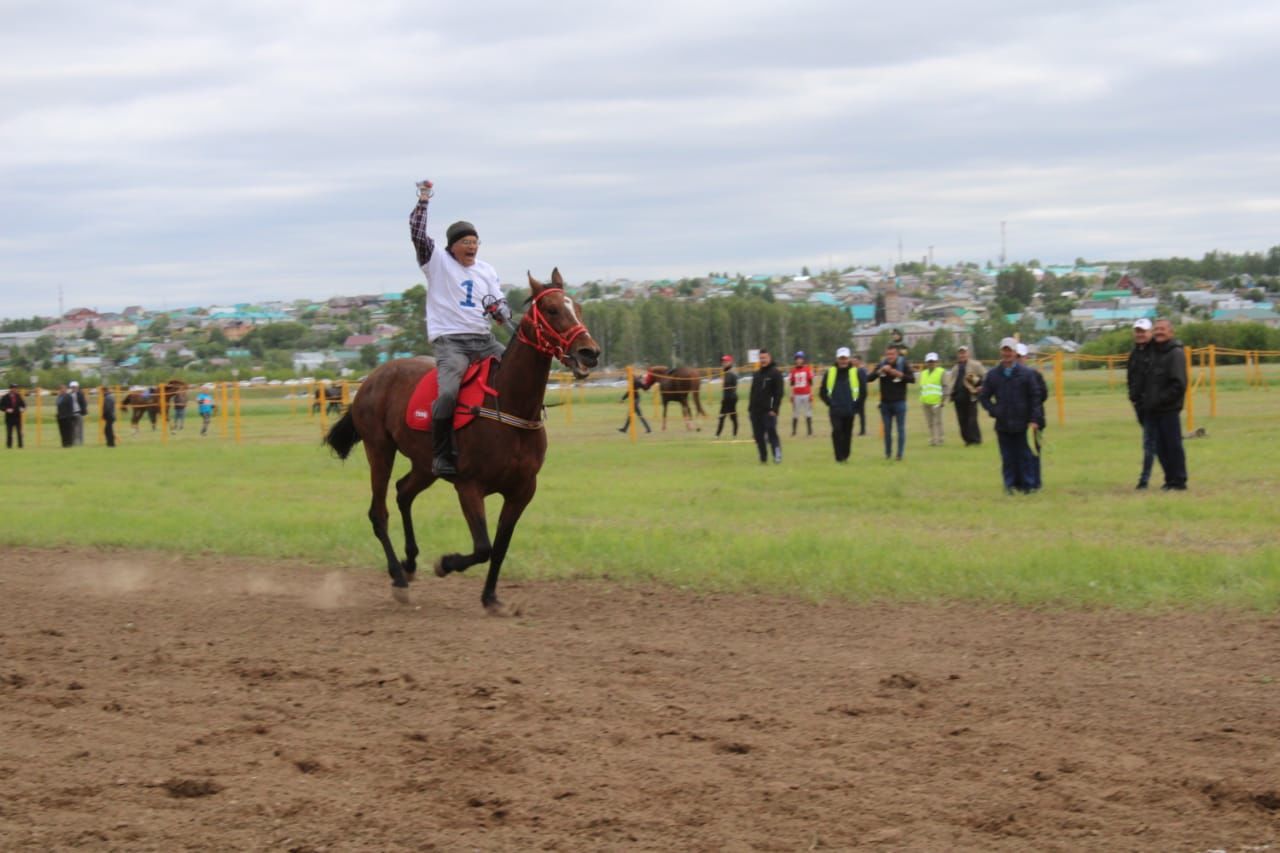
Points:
[(423, 244)]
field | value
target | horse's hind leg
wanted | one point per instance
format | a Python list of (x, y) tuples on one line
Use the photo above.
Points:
[(409, 487), (381, 458), (472, 500)]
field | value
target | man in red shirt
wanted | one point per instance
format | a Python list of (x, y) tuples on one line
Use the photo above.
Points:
[(801, 381)]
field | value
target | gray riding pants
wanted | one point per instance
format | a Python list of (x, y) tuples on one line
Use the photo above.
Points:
[(454, 353)]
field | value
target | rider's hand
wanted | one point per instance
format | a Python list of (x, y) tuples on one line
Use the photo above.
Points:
[(425, 190)]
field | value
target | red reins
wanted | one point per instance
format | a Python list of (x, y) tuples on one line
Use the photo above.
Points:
[(547, 340)]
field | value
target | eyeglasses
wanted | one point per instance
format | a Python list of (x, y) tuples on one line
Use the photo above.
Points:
[(469, 242)]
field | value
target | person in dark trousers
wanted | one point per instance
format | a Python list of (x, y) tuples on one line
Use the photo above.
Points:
[(839, 390), (1163, 394), (860, 404), (1138, 367), (108, 416), (637, 385), (82, 412), (767, 389), (894, 373), (13, 406), (1042, 396), (1010, 395), (66, 409), (729, 396), (963, 382)]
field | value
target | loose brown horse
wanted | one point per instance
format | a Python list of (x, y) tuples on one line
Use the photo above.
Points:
[(501, 451), (675, 386), (140, 404)]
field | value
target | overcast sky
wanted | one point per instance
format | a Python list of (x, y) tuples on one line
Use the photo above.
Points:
[(191, 153)]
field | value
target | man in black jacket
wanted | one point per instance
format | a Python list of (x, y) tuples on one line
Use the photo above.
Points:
[(766, 399), (1011, 395), (894, 373), (13, 406), (67, 409), (839, 389), (1163, 392), (1138, 368)]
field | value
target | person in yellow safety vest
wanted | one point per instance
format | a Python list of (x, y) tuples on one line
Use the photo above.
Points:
[(840, 391), (931, 398)]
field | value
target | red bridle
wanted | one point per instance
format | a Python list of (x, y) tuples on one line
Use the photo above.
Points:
[(547, 340)]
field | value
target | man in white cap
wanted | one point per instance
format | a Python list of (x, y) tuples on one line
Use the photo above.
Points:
[(1138, 368), (840, 391), (1009, 394), (931, 397), (463, 295), (82, 409)]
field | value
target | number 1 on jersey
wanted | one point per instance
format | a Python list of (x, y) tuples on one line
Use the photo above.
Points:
[(468, 302)]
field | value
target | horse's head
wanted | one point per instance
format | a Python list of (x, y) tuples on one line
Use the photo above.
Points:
[(551, 326)]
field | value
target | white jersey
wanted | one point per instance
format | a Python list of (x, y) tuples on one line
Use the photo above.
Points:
[(455, 295)]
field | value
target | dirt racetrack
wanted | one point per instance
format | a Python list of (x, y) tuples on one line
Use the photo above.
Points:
[(150, 702)]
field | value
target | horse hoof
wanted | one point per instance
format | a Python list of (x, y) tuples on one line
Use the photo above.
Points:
[(400, 594), (439, 568)]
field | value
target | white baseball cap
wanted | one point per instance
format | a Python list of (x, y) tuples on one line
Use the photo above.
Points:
[(1142, 323), (1011, 343), (933, 356), (1021, 348), (73, 384), (843, 352)]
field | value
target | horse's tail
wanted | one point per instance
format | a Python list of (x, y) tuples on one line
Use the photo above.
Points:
[(697, 401), (343, 436)]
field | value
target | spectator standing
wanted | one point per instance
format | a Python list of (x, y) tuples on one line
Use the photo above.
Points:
[(801, 381), (637, 386), (1042, 395), (763, 405), (932, 398), (205, 407), (179, 409), (66, 409), (860, 404), (963, 382), (839, 390), (109, 416), (1138, 368), (1009, 395), (729, 396), (894, 373), (13, 407), (1163, 395), (82, 409)]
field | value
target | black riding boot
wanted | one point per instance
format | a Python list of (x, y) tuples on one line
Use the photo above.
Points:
[(443, 463)]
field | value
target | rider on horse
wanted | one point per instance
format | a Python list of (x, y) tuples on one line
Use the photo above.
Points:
[(462, 293)]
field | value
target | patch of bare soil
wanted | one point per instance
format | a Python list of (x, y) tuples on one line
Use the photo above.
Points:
[(157, 703)]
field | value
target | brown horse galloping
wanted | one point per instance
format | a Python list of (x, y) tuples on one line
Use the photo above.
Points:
[(494, 455), (675, 386), (142, 404)]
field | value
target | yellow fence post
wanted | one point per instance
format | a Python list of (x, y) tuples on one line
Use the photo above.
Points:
[(1213, 381), (631, 403), (1058, 391), (1190, 396)]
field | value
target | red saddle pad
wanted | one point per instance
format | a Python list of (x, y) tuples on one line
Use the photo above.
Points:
[(475, 384)]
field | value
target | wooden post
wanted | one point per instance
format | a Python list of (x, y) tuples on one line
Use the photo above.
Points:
[(1190, 396), (1059, 394), (1213, 381)]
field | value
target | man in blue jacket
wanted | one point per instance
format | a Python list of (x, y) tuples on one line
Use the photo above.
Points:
[(1011, 395)]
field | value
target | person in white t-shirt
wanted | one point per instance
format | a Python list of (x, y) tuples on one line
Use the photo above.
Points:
[(463, 294)]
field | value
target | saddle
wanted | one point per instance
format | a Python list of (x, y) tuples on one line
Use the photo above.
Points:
[(471, 394)]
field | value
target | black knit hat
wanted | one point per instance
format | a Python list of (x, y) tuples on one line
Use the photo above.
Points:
[(459, 230)]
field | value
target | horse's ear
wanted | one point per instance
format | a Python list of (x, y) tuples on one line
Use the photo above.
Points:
[(535, 286), (556, 279)]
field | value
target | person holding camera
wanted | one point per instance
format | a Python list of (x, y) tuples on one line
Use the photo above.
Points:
[(894, 373), (463, 295)]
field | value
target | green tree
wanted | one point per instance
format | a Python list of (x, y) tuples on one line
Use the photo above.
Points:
[(92, 332)]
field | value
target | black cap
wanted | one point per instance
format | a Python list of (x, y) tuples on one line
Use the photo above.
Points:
[(459, 230)]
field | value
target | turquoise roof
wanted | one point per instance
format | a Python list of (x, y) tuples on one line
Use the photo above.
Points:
[(1245, 314), (824, 298), (863, 312), (1123, 313)]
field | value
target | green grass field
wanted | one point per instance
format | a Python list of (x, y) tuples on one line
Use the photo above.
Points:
[(686, 510)]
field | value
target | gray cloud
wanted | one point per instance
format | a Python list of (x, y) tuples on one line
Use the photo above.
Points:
[(235, 151)]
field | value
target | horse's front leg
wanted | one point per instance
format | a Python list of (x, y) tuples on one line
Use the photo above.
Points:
[(512, 507), (471, 498), (409, 487)]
